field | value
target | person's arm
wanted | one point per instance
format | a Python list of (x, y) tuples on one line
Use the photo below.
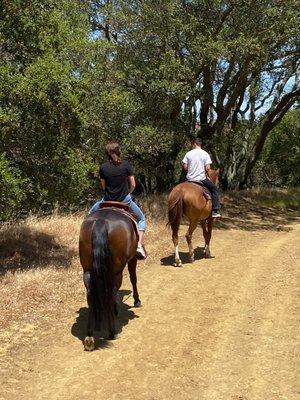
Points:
[(185, 163), (131, 183), (207, 168), (101, 178), (102, 184), (207, 162)]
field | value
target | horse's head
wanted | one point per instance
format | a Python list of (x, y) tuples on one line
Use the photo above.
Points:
[(213, 175)]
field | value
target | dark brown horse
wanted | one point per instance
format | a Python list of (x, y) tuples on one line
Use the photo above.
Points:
[(107, 242), (189, 199)]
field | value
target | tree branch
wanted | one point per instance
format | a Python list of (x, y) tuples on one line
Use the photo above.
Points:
[(273, 118), (223, 90), (207, 97)]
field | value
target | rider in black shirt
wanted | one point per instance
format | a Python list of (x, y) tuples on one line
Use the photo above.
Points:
[(118, 182)]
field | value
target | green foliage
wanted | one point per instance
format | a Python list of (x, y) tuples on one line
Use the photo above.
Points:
[(280, 163), (66, 183), (149, 145), (11, 189), (223, 62), (41, 112), (149, 148), (76, 74)]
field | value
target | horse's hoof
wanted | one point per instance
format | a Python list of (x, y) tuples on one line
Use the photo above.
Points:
[(192, 258), (112, 336), (137, 304), (89, 343), (178, 264)]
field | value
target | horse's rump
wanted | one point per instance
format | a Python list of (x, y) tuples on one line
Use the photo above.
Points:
[(110, 212), (189, 199), (123, 208)]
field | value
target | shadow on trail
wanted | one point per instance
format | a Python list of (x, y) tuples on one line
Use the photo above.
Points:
[(184, 256), (23, 248), (125, 314), (255, 210), (252, 218), (246, 215)]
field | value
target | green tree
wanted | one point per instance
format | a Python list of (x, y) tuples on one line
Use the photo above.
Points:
[(12, 189), (280, 163), (44, 46), (75, 74), (220, 62)]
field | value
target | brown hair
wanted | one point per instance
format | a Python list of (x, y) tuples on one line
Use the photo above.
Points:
[(197, 141), (113, 152)]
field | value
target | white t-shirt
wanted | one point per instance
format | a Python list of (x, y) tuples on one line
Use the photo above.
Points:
[(196, 160)]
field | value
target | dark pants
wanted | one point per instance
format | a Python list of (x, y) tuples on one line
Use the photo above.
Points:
[(214, 193)]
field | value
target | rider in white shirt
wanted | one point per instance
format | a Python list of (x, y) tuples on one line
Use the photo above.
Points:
[(197, 162)]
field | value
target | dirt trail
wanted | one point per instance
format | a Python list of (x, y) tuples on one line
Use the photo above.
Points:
[(223, 328)]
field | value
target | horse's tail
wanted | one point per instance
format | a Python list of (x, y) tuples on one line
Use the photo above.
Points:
[(175, 211), (102, 282)]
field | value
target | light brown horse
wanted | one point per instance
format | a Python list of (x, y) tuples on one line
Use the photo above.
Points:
[(107, 242), (188, 199)]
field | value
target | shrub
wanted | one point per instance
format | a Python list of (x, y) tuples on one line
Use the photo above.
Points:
[(11, 189)]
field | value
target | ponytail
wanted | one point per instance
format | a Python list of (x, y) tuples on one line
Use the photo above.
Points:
[(113, 152)]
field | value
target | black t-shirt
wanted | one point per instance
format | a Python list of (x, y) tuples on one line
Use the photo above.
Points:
[(116, 180)]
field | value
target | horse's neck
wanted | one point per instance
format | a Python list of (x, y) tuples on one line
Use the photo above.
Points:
[(213, 175)]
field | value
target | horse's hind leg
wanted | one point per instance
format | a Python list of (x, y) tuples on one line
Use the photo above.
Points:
[(111, 327), (118, 283), (207, 229), (175, 229), (189, 235), (112, 334), (89, 342), (133, 279)]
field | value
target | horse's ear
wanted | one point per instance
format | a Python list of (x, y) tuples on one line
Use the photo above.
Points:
[(218, 171)]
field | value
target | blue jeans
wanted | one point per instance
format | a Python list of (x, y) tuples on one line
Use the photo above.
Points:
[(214, 193), (133, 207)]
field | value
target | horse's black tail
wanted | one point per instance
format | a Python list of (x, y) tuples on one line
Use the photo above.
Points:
[(102, 282)]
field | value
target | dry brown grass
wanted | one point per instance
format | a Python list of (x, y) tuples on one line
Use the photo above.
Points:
[(39, 266), (34, 254)]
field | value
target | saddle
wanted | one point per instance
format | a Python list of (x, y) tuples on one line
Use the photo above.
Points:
[(115, 204), (206, 192)]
